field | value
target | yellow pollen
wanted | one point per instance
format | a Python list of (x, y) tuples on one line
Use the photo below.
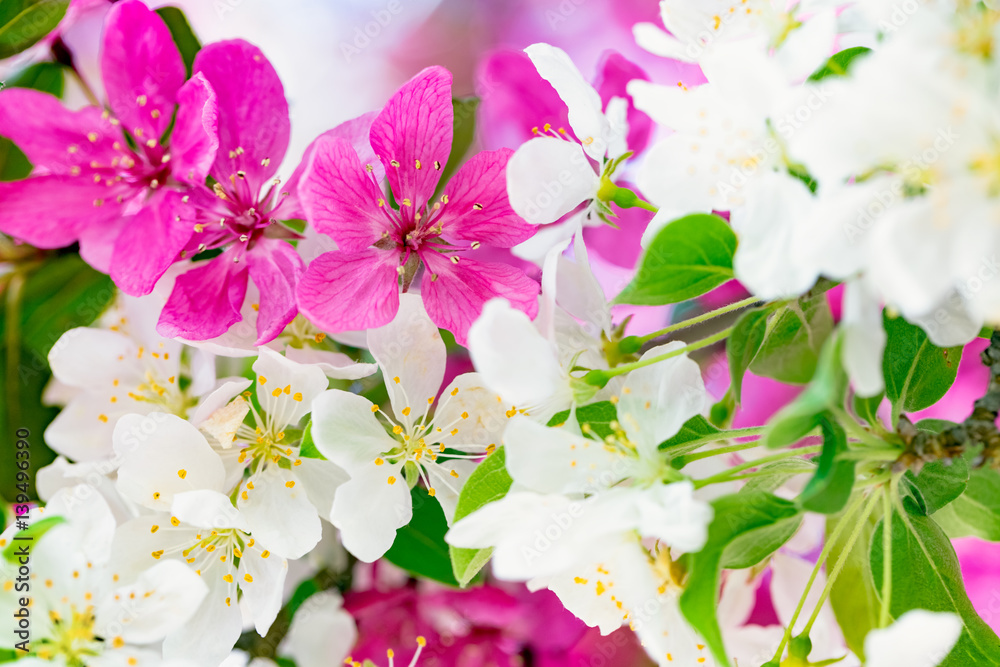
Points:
[(431, 492), (406, 411), (265, 553), (157, 554), (247, 578), (379, 461), (454, 473), (374, 408), (297, 396), (154, 528), (391, 480), (396, 379), (174, 521), (182, 473), (290, 483), (228, 578), (103, 418)]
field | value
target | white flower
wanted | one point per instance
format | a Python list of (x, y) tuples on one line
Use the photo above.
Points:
[(126, 369), (281, 483), (322, 632), (551, 175), (918, 638), (384, 458), (81, 613)]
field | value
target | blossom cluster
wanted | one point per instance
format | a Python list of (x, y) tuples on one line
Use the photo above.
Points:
[(374, 404)]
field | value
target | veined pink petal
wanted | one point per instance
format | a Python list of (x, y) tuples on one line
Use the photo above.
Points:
[(97, 241), (195, 139), (150, 243), (455, 298), (350, 291), (340, 198), (253, 113), (275, 269), (355, 131), (206, 300), (412, 135), (54, 138), (613, 74), (142, 69), (51, 211), (515, 100), (478, 208)]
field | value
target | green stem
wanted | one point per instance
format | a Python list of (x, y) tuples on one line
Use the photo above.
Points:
[(600, 377), (872, 455), (832, 578), (824, 554), (855, 430), (728, 474), (884, 618), (704, 317), (724, 435)]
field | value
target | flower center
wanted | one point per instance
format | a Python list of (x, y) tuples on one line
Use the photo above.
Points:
[(72, 638)]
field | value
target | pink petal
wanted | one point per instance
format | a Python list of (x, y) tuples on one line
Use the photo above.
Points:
[(413, 132), (142, 69), (340, 198), (52, 211), (355, 131), (195, 139), (150, 243), (349, 291), (275, 269), (206, 300), (478, 208), (253, 112), (613, 74), (456, 297), (514, 100), (54, 138)]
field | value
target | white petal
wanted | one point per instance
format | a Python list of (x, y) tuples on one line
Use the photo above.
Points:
[(280, 516), (584, 104), (657, 399), (89, 516), (165, 597), (617, 115), (208, 637), (336, 365), (322, 633), (369, 510), (578, 291), (514, 359), (547, 178), (285, 388), (864, 338), (671, 513), (346, 430), (208, 509), (225, 391), (770, 227), (486, 413), (163, 455), (654, 39), (262, 580), (82, 430), (676, 174), (554, 460), (546, 239), (321, 479), (447, 487), (952, 323), (412, 356), (89, 358), (222, 424), (918, 638)]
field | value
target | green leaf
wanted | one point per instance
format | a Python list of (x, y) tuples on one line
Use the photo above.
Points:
[(489, 482), (735, 515), (185, 39), (307, 449), (867, 409), (598, 415), (917, 372), (464, 134), (420, 547), (694, 430), (853, 596), (24, 22), (830, 488), (687, 258), (754, 546), (795, 336), (805, 413), (938, 484), (29, 536), (977, 511), (926, 575), (743, 344), (839, 63), (779, 472)]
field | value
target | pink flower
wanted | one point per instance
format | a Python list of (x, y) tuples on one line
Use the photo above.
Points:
[(358, 285), (99, 175), (239, 215)]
